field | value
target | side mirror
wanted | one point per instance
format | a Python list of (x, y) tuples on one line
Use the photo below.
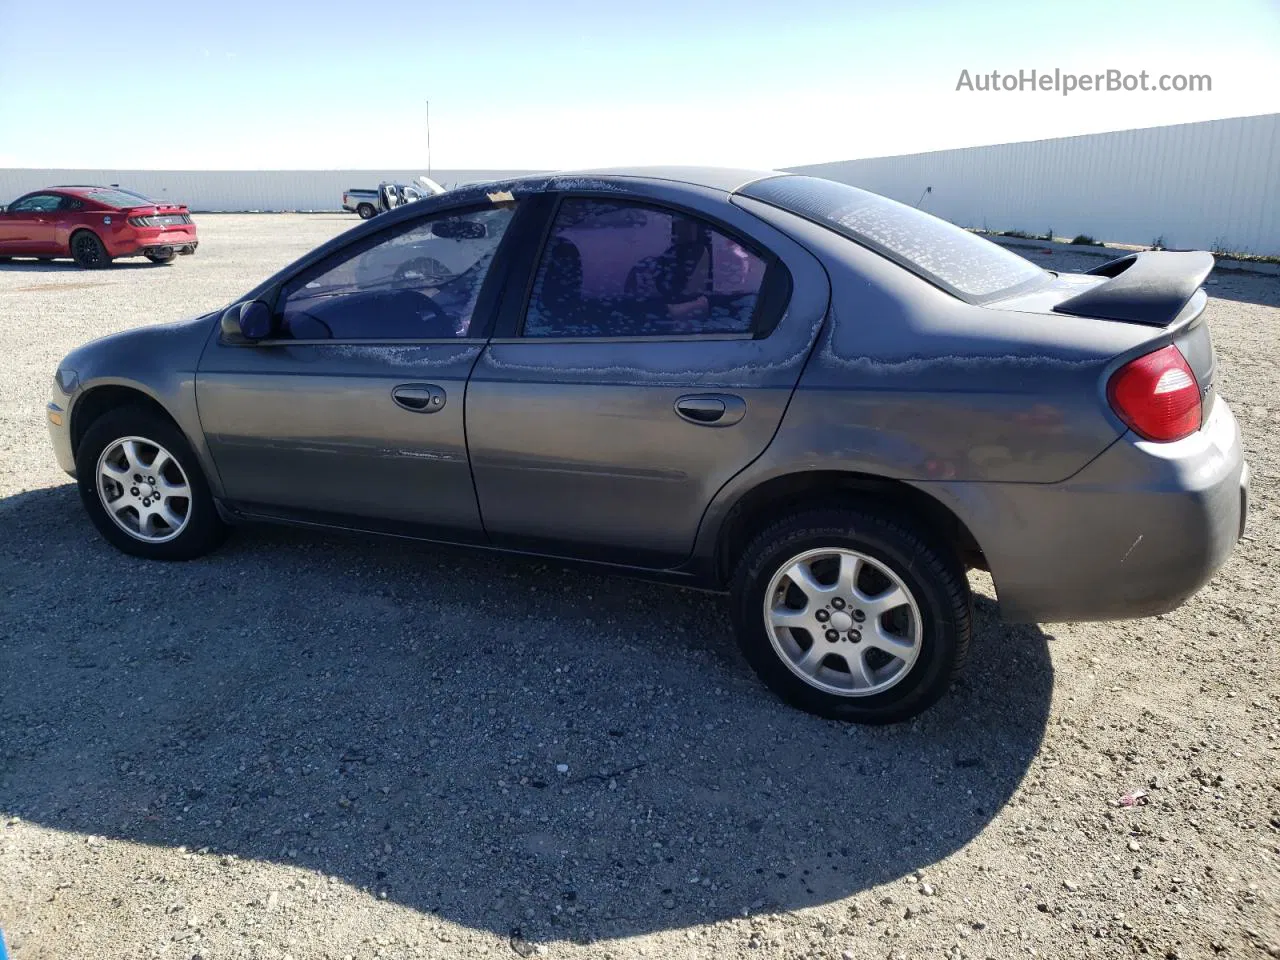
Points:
[(247, 322)]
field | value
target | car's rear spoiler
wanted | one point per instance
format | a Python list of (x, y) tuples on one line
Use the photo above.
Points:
[(1150, 287)]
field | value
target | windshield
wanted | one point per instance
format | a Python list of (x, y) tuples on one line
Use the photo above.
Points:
[(962, 263)]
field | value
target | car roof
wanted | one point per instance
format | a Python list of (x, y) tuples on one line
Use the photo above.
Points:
[(728, 179)]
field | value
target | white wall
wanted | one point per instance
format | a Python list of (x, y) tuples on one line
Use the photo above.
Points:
[(1201, 185), (236, 190)]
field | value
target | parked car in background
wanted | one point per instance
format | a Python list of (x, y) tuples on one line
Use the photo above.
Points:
[(388, 196), (95, 225), (820, 401)]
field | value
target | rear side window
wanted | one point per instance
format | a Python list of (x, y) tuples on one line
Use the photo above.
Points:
[(620, 269), (964, 264)]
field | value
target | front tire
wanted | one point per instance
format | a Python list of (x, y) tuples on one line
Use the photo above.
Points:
[(141, 483), (366, 211), (852, 614), (88, 251)]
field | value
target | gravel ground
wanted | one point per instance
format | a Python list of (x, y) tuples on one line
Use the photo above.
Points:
[(308, 746)]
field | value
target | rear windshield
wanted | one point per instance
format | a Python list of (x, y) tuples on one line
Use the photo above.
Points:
[(964, 264), (116, 197)]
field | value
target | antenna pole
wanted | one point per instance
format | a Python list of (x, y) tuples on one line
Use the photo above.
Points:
[(428, 139)]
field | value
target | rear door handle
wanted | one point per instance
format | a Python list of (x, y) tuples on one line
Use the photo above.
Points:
[(711, 409), (419, 397)]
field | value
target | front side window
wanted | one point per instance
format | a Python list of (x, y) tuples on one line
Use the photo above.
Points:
[(618, 269), (38, 203), (420, 283)]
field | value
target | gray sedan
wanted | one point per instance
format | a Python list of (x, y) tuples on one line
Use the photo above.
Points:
[(822, 402)]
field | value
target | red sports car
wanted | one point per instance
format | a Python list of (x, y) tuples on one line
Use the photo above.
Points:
[(93, 226)]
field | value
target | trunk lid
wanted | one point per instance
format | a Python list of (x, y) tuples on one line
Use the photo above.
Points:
[(1160, 290)]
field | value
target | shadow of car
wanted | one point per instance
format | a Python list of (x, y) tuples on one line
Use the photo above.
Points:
[(504, 743)]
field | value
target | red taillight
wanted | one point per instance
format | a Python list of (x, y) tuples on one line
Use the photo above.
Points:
[(1157, 395)]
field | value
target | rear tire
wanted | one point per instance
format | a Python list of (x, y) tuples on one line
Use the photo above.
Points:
[(854, 661), (88, 251), (161, 257), (366, 211), (128, 443)]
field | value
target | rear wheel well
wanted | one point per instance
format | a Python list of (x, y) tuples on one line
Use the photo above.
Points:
[(102, 400), (763, 505)]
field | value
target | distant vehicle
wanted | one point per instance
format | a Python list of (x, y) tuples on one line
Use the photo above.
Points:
[(823, 402), (94, 225), (388, 196)]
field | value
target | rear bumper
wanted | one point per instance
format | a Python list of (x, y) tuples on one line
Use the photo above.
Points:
[(1133, 534), (140, 242)]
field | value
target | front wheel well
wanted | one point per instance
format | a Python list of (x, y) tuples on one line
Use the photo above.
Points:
[(101, 400), (762, 505)]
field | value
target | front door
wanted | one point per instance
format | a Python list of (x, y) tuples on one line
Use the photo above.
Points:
[(653, 361), (352, 411), (27, 226)]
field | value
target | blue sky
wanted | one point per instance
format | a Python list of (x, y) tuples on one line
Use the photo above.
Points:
[(562, 83)]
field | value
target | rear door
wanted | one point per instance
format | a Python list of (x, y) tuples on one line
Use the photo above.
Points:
[(352, 412), (647, 359)]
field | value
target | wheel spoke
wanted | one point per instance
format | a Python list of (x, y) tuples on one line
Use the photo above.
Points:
[(170, 516), (792, 619), (162, 459), (812, 658), (802, 577), (859, 676), (168, 489), (130, 450), (891, 599), (881, 639), (847, 579)]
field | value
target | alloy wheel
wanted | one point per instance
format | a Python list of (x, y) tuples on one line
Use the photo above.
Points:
[(144, 489), (843, 622)]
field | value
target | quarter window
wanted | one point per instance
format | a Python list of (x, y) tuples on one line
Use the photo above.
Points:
[(617, 269), (420, 283)]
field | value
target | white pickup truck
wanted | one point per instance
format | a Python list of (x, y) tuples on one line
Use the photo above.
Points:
[(388, 195)]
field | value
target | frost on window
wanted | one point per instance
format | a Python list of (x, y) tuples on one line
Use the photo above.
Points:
[(966, 264)]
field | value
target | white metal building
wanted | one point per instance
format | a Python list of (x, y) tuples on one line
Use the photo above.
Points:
[(1210, 185)]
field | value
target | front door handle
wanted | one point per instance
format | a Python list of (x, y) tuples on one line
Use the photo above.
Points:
[(419, 397), (711, 409)]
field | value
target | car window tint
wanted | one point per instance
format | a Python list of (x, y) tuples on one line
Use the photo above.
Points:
[(422, 282), (617, 269), (40, 203), (71, 203)]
